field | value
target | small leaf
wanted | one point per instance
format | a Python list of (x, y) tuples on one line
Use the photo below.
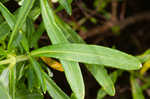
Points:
[(53, 89), (100, 74), (25, 43), (66, 5), (29, 29), (114, 75), (20, 70), (32, 79), (37, 34), (35, 13), (37, 70)]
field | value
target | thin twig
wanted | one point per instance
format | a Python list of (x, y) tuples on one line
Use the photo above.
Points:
[(123, 10), (122, 24), (114, 10)]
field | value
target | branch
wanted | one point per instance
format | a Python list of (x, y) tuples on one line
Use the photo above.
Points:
[(123, 24)]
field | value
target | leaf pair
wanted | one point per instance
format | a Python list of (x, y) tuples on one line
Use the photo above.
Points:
[(55, 33)]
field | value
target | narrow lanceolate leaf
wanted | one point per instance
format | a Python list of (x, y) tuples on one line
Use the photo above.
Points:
[(38, 72), (66, 5), (37, 34), (3, 92), (99, 73), (69, 33), (23, 13), (53, 89), (29, 29), (55, 33), (35, 13), (12, 82), (32, 79), (7, 15), (114, 75), (136, 89), (26, 94), (4, 83), (25, 43), (102, 77), (90, 54), (4, 78)]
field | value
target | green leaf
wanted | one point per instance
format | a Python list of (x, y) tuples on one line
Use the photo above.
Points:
[(23, 13), (102, 77), (90, 54), (25, 43), (7, 15), (25, 94), (55, 33), (29, 29), (69, 33), (136, 89), (3, 93), (37, 34), (4, 81), (20, 70), (12, 82), (38, 72), (53, 89), (4, 78), (35, 13), (102, 93), (4, 30), (66, 4), (32, 79), (74, 77), (1, 19)]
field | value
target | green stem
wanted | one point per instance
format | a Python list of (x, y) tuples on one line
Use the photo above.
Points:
[(3, 62), (18, 59), (22, 58)]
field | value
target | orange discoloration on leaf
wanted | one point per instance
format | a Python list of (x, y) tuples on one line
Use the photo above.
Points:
[(53, 63)]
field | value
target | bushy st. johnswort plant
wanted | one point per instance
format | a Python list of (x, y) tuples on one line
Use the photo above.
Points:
[(23, 75)]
